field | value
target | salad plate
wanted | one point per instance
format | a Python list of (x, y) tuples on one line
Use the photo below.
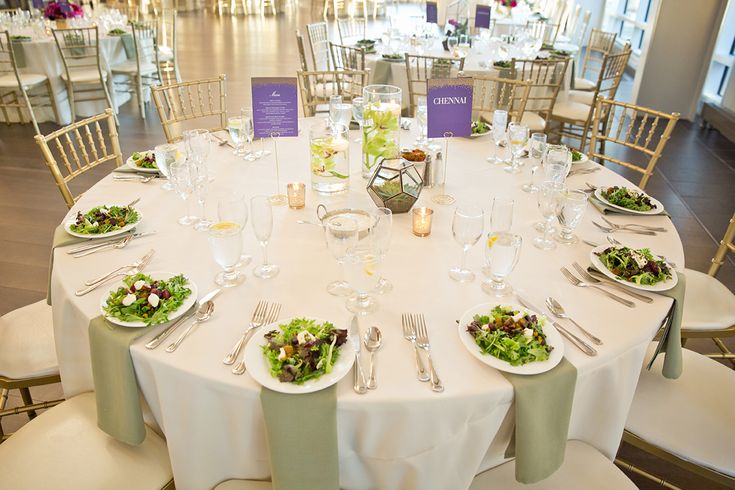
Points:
[(183, 292), (553, 339), (581, 159), (480, 129), (634, 270), (82, 225), (143, 161), (259, 364), (657, 208)]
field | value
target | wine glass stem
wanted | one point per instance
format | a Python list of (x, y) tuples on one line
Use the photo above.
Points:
[(188, 207), (464, 258), (547, 230), (229, 272), (265, 252)]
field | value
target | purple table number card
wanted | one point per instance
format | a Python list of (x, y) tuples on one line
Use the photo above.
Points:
[(449, 104), (432, 11), (482, 16), (275, 106)]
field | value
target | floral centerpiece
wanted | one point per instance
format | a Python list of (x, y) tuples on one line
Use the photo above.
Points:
[(62, 10), (381, 125), (455, 28)]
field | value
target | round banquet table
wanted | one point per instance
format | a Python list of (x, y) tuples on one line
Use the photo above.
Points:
[(401, 435)]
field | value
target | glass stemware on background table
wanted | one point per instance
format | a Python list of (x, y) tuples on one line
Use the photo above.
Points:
[(183, 177), (341, 233), (537, 152), (500, 123), (165, 155), (467, 228), (548, 200)]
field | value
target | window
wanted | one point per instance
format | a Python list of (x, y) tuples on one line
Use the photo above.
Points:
[(629, 18), (723, 59)]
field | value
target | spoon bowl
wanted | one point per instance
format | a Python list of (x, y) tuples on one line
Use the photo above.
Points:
[(558, 311), (202, 315)]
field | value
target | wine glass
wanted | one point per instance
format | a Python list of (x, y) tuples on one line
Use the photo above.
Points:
[(225, 241), (502, 251), (569, 212), (342, 235), (262, 219), (166, 154), (183, 183), (234, 208), (357, 104), (235, 128), (548, 199), (558, 163), (500, 121), (501, 214), (380, 233), (198, 143), (334, 102), (538, 153), (467, 226), (363, 265), (421, 120), (201, 188), (518, 136), (248, 130)]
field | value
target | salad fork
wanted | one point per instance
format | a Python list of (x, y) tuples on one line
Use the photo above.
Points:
[(135, 268), (577, 282), (118, 245), (422, 340), (583, 171), (613, 230), (587, 276), (257, 320), (633, 225), (410, 334), (117, 271), (271, 317)]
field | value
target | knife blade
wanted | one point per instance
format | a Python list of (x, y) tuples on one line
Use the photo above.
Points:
[(106, 241), (579, 343), (156, 341), (354, 336)]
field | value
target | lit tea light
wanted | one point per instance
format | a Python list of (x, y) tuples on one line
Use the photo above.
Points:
[(296, 192), (422, 221)]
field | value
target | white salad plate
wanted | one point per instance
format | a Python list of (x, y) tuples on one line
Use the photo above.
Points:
[(73, 219), (552, 338), (257, 364), (661, 286), (658, 207), (130, 163), (583, 159), (159, 275)]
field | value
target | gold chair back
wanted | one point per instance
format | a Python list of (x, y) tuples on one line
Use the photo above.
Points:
[(641, 129), (11, 12), (727, 244), (202, 101), (492, 93), (599, 44), (145, 41), (545, 77), (545, 31), (319, 44), (351, 30), (317, 86), (421, 68), (79, 147), (347, 57), (302, 51)]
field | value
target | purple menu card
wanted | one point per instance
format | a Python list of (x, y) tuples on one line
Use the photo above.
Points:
[(431, 12), (482, 16), (449, 104), (275, 106)]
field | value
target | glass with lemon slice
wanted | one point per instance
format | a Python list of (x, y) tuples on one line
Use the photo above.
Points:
[(225, 241), (362, 270)]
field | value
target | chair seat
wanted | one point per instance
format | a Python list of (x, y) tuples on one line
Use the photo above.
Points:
[(583, 84), (708, 304), (130, 67), (533, 121), (244, 485), (165, 53), (583, 468), (581, 96), (571, 111), (63, 449), (692, 416), (27, 343), (27, 79), (84, 75)]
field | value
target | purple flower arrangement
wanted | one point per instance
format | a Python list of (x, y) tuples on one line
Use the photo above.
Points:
[(62, 9)]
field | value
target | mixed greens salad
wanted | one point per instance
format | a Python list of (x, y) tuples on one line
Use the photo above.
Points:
[(303, 349), (144, 159), (103, 219), (480, 127), (503, 64), (117, 32), (510, 335), (147, 300), (576, 156), (635, 265), (20, 39), (393, 57), (627, 198)]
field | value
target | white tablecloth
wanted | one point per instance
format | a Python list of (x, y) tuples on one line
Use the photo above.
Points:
[(402, 435)]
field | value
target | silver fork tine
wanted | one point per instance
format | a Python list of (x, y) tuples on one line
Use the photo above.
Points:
[(608, 230), (266, 317), (255, 319), (577, 282), (410, 335)]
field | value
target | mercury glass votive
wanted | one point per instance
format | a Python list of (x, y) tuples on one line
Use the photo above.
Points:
[(296, 192), (422, 221)]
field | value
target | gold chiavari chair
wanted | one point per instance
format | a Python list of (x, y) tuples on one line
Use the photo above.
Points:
[(571, 25), (14, 83), (83, 75), (132, 12), (492, 93), (197, 100), (168, 58), (545, 77), (266, 5), (545, 31), (351, 30), (144, 70), (599, 44), (573, 116), (319, 45), (302, 51), (637, 128), (10, 12), (421, 68), (347, 57), (317, 86), (79, 147)]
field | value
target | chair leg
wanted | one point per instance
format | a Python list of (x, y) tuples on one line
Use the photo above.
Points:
[(3, 401), (139, 92), (18, 108), (30, 112), (109, 99), (4, 109), (25, 393), (52, 101)]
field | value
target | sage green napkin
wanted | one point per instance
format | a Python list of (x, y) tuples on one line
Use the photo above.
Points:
[(61, 239), (543, 405), (19, 54), (118, 401), (302, 439), (670, 342), (128, 45), (605, 209), (381, 73)]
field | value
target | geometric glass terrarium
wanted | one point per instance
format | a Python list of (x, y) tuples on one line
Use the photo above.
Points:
[(396, 185)]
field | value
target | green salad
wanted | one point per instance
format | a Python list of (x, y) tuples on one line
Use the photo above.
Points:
[(635, 265), (147, 300), (393, 57), (503, 64), (303, 349), (627, 198), (480, 127), (510, 335), (576, 156), (144, 159), (103, 219), (19, 38), (117, 32)]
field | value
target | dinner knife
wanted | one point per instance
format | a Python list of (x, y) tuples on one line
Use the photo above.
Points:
[(581, 344), (106, 241), (359, 375), (156, 341)]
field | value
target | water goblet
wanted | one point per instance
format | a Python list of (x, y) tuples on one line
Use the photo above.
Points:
[(183, 183), (500, 122), (198, 143), (467, 227), (342, 234), (502, 251), (225, 242), (558, 163), (357, 104), (233, 207), (518, 136), (363, 265), (166, 154), (262, 219), (235, 129), (548, 199), (569, 212), (537, 153)]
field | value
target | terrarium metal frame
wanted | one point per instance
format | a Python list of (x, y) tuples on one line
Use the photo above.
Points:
[(408, 188)]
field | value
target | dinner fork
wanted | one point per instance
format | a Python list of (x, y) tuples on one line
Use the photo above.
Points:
[(134, 268), (118, 245), (583, 171), (422, 340), (633, 225), (613, 230), (256, 321), (587, 276), (270, 317), (577, 282), (410, 334)]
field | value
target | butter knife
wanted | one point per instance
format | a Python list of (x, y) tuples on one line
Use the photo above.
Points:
[(156, 341), (579, 343), (359, 375)]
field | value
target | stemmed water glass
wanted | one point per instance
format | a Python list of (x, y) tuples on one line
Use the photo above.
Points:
[(339, 112), (183, 179), (569, 211), (501, 220), (225, 241), (237, 134), (467, 227), (421, 120), (233, 208), (518, 136), (248, 130), (262, 219), (201, 188), (380, 233), (558, 163), (500, 122), (357, 104), (342, 235), (548, 200), (198, 144), (538, 153), (502, 251), (363, 265), (166, 154)]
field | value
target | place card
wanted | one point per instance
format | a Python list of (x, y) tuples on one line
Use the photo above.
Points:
[(432, 13), (449, 104), (482, 16), (275, 106)]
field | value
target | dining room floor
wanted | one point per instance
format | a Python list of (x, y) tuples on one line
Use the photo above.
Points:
[(694, 179)]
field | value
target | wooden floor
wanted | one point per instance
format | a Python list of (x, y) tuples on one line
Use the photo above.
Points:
[(695, 178)]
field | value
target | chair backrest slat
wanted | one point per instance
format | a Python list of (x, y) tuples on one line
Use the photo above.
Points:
[(347, 57), (546, 77), (421, 68), (493, 93), (317, 86), (319, 44)]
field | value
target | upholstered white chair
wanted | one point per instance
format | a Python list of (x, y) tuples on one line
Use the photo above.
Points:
[(63, 449)]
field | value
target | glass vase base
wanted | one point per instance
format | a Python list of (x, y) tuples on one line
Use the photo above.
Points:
[(361, 306)]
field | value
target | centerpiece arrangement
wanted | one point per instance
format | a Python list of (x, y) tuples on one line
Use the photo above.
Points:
[(397, 183), (330, 161), (380, 127), (62, 10), (455, 28)]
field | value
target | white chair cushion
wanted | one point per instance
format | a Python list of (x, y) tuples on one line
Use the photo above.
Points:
[(63, 449), (583, 84), (165, 53), (84, 75), (131, 66), (583, 468), (244, 485), (581, 96), (533, 121), (27, 79), (573, 111), (692, 416), (27, 343), (708, 304)]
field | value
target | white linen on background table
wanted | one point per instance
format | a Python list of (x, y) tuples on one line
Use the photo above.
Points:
[(402, 435)]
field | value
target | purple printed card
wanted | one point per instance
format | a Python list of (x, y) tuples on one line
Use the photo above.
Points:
[(275, 106), (432, 12), (482, 16), (449, 103)]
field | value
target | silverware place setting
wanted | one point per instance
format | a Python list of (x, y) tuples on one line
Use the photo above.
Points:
[(583, 171), (410, 334), (118, 242), (420, 335), (139, 178), (372, 339), (358, 380), (607, 229), (158, 339), (558, 311), (203, 313), (595, 277), (633, 226), (126, 270), (576, 341), (575, 281), (263, 314)]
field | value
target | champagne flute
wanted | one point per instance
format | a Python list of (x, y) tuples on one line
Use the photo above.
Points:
[(548, 199), (357, 108), (518, 136), (363, 265), (183, 183), (380, 233), (569, 212), (502, 251), (166, 155), (262, 213), (225, 242), (500, 122), (334, 102), (467, 227), (342, 234), (234, 208), (201, 188), (538, 153)]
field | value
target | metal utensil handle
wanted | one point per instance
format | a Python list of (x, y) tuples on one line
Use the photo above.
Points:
[(423, 376), (181, 338), (586, 332), (623, 289), (358, 376), (88, 289), (436, 384), (232, 355), (158, 339), (94, 244), (610, 295), (95, 250), (372, 382), (104, 277), (579, 343)]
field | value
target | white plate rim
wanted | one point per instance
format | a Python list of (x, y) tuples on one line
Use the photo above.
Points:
[(257, 365), (130, 163), (188, 302), (552, 337), (659, 209), (662, 286), (70, 221)]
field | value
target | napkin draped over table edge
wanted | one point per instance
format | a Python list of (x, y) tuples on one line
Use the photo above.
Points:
[(61, 239), (670, 343)]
